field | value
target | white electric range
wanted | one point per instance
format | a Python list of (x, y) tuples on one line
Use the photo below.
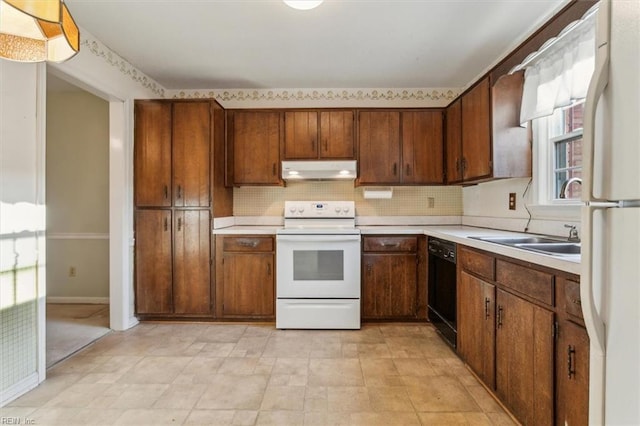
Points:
[(318, 266)]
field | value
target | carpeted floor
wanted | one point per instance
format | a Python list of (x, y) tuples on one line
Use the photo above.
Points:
[(71, 327)]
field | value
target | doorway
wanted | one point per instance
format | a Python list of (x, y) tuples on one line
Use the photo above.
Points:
[(77, 194)]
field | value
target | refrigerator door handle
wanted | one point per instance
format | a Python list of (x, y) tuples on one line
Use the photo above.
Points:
[(594, 93), (592, 319)]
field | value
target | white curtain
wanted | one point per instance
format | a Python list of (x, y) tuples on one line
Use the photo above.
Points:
[(561, 73)]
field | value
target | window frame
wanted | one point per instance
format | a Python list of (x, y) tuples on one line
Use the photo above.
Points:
[(545, 205)]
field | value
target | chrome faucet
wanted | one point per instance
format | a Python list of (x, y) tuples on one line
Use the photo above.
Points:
[(573, 233), (566, 183)]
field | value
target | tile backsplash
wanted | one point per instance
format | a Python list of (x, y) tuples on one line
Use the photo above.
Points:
[(406, 200)]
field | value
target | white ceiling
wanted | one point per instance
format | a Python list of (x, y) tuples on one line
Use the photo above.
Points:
[(216, 44)]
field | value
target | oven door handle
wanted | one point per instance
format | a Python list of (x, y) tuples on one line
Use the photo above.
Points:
[(317, 238)]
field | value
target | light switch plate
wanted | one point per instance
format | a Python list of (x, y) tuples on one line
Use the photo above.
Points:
[(512, 201)]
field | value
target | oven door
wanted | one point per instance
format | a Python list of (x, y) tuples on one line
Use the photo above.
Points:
[(318, 266)]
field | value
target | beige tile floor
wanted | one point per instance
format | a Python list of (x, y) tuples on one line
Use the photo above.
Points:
[(253, 374)]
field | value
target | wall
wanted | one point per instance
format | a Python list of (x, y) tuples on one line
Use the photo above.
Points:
[(486, 205), (77, 197), (22, 251), (406, 201)]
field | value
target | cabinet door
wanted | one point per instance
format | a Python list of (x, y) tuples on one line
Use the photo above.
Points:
[(453, 142), (300, 135), (572, 375), (152, 154), (255, 148), (389, 287), (336, 135), (248, 285), (192, 260), (524, 359), (422, 147), (191, 154), (476, 326), (379, 147), (153, 262), (476, 132)]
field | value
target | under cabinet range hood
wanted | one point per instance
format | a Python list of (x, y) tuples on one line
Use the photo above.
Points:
[(319, 170)]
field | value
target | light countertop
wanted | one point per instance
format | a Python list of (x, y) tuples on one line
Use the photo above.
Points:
[(457, 233)]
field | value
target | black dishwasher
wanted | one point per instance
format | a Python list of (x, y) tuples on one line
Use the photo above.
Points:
[(442, 288)]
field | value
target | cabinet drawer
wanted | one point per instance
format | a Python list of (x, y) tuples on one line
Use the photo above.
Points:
[(572, 301), (478, 263), (248, 244), (533, 283), (391, 244)]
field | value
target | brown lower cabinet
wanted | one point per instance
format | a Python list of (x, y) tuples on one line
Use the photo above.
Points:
[(519, 330), (245, 277), (393, 284), (524, 358), (172, 262), (476, 325)]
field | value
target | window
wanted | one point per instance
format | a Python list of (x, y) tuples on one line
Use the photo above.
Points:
[(565, 135), (558, 155)]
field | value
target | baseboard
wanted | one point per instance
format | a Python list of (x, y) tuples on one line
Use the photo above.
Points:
[(83, 300), (17, 390)]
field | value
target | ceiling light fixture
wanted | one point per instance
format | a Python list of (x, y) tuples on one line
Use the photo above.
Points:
[(37, 31), (303, 4)]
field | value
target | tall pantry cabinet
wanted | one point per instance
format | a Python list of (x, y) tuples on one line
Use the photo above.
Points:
[(176, 147)]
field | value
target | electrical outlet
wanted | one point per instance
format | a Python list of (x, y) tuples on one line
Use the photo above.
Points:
[(431, 202), (512, 201), (72, 271)]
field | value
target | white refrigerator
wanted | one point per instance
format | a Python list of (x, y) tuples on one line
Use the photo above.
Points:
[(610, 277)]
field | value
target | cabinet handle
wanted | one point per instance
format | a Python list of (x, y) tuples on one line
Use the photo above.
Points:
[(571, 368), (166, 192), (390, 244), (273, 169), (269, 269), (326, 145), (179, 223), (408, 170), (248, 243), (576, 302), (395, 169), (369, 268), (313, 144), (166, 224), (179, 192), (499, 316), (487, 302), (457, 165), (464, 165)]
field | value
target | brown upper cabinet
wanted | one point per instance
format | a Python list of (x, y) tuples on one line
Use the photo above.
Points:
[(253, 147), (484, 139), (400, 147), (172, 154), (311, 135)]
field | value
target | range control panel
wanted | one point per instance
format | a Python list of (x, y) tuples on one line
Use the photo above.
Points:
[(319, 209)]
